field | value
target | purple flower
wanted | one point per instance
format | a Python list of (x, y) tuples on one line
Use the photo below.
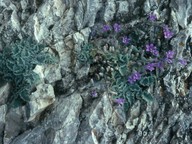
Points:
[(126, 40), (119, 101), (94, 93), (152, 16), (150, 66), (167, 33), (155, 52), (170, 54), (150, 47), (116, 27), (183, 62), (106, 28), (134, 77)]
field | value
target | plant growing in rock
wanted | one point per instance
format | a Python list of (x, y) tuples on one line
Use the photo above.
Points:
[(132, 57), (17, 64)]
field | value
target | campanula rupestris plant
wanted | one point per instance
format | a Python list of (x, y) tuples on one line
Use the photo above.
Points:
[(133, 58)]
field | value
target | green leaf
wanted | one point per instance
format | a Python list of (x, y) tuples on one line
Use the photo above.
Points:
[(9, 64), (18, 70), (130, 96), (146, 81), (16, 50), (147, 96), (122, 58), (82, 57), (138, 95), (8, 77), (134, 87), (151, 79), (123, 70)]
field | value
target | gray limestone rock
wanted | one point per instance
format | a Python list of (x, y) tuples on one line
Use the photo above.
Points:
[(3, 111), (4, 92), (14, 124), (183, 10), (59, 126), (52, 73), (109, 10), (123, 7), (40, 100)]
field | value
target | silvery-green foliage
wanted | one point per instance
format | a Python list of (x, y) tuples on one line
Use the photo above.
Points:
[(147, 80), (84, 55), (17, 64), (134, 87)]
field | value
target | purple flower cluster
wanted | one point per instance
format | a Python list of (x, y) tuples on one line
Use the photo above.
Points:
[(126, 40), (119, 101), (152, 17), (167, 33), (134, 77), (106, 28), (150, 66), (116, 27), (94, 93), (152, 48), (169, 56), (153, 65)]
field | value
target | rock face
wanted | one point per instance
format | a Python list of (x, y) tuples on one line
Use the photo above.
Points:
[(62, 109), (183, 11), (41, 99)]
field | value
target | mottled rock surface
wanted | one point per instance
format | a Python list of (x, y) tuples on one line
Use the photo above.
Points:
[(62, 110)]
